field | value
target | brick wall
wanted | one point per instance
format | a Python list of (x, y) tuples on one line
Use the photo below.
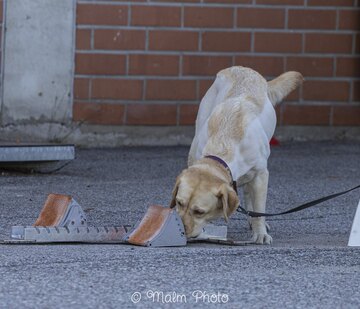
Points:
[(150, 62), (1, 38)]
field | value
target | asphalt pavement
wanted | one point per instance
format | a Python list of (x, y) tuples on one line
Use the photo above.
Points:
[(308, 266)]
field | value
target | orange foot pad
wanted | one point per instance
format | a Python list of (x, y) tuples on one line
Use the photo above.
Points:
[(61, 210), (160, 227)]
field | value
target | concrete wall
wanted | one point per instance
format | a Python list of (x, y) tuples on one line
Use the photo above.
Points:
[(38, 61)]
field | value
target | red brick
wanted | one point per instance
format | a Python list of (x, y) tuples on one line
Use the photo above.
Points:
[(204, 86), (151, 114), (181, 1), (83, 37), (267, 66), (1, 11), (216, 17), (101, 14), (278, 42), (349, 19), (356, 91), (119, 39), (173, 40), (99, 64), (260, 18), (81, 88), (312, 19), (102, 114), (280, 2), (155, 16), (311, 66), (117, 89), (188, 113), (153, 65), (278, 112), (226, 41), (306, 115), (331, 2), (171, 90), (357, 44), (346, 115), (328, 43), (205, 65), (293, 95), (229, 1), (326, 90), (348, 67)]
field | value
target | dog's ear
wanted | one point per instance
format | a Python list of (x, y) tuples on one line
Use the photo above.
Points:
[(174, 192), (228, 199)]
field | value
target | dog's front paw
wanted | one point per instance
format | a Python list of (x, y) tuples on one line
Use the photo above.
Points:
[(261, 238), (259, 231)]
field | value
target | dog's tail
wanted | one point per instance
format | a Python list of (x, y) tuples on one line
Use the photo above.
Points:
[(281, 86)]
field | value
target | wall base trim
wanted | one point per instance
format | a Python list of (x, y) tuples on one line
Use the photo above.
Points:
[(115, 136)]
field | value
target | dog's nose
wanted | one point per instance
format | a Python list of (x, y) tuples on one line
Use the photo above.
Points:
[(188, 231)]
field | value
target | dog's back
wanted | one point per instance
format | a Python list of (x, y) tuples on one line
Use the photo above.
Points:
[(237, 97)]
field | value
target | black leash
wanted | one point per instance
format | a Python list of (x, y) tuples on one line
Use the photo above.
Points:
[(260, 214), (298, 208)]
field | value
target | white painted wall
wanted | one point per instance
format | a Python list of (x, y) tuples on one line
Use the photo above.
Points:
[(38, 61)]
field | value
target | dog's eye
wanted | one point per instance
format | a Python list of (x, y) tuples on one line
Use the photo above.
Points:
[(198, 212), (179, 203)]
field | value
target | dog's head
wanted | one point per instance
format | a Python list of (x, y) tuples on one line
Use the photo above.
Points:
[(200, 197)]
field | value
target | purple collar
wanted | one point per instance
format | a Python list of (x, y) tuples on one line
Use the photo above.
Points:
[(224, 164)]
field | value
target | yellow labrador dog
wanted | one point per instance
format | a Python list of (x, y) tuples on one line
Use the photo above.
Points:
[(234, 125)]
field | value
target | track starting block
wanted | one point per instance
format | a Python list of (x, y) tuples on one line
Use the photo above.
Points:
[(62, 220)]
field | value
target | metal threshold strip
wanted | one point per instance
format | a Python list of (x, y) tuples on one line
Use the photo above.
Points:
[(43, 158), (36, 152)]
